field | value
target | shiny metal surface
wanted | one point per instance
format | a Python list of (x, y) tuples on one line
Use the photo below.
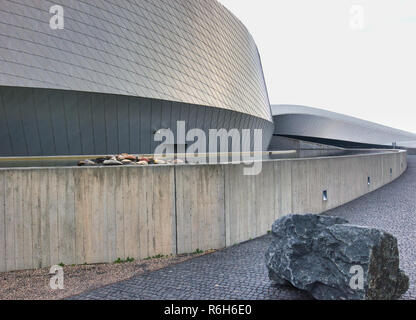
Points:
[(307, 122), (190, 51), (119, 71)]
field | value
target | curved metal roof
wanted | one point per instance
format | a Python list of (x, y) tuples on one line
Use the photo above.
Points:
[(193, 52), (302, 121)]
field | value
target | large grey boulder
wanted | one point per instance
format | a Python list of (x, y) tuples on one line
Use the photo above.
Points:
[(333, 260)]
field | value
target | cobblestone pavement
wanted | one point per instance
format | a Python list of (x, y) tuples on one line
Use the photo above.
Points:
[(234, 273), (393, 209), (239, 272)]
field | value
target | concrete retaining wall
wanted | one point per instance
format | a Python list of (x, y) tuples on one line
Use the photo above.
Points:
[(91, 215)]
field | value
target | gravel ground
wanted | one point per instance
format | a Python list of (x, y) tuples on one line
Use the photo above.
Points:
[(34, 284), (239, 272)]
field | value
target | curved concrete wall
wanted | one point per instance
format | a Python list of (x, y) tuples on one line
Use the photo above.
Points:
[(195, 53), (92, 215)]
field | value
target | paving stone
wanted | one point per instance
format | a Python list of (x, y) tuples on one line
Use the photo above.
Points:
[(240, 270)]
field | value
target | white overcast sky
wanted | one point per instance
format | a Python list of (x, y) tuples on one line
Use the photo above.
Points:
[(353, 57)]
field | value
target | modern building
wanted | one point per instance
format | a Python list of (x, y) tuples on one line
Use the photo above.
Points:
[(334, 129), (119, 71)]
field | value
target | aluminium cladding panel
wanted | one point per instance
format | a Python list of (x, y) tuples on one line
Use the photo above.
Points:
[(45, 122), (303, 125), (301, 121), (193, 52)]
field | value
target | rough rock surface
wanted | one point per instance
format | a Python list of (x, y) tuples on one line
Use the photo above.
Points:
[(321, 255)]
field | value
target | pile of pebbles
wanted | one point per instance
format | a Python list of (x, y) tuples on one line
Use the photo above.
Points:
[(126, 159)]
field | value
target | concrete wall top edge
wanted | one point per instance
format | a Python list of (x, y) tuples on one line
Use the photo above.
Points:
[(167, 167)]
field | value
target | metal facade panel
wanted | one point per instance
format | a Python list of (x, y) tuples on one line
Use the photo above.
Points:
[(60, 122), (301, 121), (194, 52)]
